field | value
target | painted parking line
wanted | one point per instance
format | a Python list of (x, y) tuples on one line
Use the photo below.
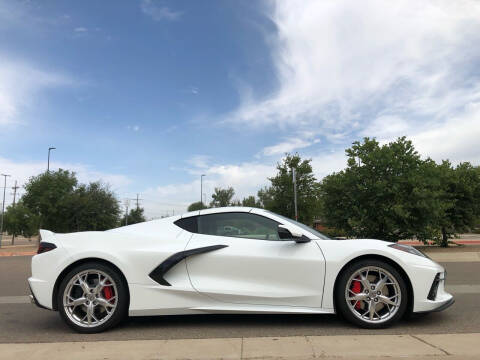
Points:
[(14, 300), (463, 289), (454, 289), (17, 253), (455, 256)]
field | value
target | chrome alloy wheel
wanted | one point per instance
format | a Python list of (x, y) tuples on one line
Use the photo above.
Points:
[(90, 298), (373, 294)]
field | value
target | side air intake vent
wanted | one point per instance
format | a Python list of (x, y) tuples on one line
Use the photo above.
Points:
[(432, 295)]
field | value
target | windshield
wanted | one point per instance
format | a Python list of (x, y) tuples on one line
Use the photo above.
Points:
[(303, 226)]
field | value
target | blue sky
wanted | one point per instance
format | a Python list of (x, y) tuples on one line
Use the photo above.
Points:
[(147, 95)]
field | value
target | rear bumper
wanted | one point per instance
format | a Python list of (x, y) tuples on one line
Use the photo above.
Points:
[(41, 293), (33, 299)]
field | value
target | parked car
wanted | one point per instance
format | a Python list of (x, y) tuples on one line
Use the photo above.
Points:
[(182, 265)]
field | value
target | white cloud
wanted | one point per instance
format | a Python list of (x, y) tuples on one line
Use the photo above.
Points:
[(457, 139), (157, 11), (80, 30), (386, 126), (19, 83), (327, 163), (371, 68), (286, 146), (199, 161), (22, 171), (246, 179)]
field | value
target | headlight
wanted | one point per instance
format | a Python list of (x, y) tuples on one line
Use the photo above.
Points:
[(408, 249)]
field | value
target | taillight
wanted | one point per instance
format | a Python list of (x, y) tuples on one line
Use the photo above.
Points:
[(45, 246)]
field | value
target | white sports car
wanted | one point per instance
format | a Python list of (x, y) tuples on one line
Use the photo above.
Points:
[(229, 260)]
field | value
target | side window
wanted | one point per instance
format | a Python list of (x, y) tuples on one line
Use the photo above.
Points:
[(241, 225), (188, 224)]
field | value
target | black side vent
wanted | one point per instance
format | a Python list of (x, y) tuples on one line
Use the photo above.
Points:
[(432, 295), (159, 272)]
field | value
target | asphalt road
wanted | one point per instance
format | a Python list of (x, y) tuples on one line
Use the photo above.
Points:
[(27, 323)]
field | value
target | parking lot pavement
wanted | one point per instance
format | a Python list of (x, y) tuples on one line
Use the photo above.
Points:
[(23, 323)]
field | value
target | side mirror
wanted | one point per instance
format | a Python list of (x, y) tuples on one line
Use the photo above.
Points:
[(286, 232)]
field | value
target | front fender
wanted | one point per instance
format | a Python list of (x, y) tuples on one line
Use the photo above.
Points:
[(420, 270)]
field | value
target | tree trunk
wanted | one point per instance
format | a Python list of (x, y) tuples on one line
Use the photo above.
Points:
[(444, 242)]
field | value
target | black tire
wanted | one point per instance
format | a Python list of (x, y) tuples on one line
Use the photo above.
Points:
[(346, 312), (119, 313)]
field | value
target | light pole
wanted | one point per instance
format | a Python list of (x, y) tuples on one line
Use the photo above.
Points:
[(3, 207), (201, 188), (48, 163), (294, 174)]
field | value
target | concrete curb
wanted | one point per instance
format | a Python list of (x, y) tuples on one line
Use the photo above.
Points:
[(444, 346)]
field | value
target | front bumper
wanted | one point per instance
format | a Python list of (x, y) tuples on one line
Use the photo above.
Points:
[(437, 299)]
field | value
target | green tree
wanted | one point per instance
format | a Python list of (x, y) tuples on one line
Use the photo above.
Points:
[(459, 195), (222, 197), (19, 220), (250, 201), (265, 197), (135, 216), (93, 207), (48, 196), (199, 205), (62, 205), (386, 192), (279, 197)]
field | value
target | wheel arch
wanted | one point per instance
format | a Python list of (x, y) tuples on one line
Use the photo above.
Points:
[(388, 261), (65, 271)]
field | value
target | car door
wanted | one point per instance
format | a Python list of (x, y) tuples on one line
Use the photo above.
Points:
[(246, 262)]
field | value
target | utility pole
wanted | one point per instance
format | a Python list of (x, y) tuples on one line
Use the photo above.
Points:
[(3, 206), (201, 188), (48, 163), (14, 188), (13, 205), (127, 203), (137, 200), (294, 174)]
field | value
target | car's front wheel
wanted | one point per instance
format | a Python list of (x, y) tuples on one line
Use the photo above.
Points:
[(371, 294), (92, 297)]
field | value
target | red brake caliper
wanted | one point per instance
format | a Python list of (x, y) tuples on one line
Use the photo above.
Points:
[(357, 288), (107, 291)]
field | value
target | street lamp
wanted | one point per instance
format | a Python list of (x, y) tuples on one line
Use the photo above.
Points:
[(48, 163), (201, 188), (3, 207)]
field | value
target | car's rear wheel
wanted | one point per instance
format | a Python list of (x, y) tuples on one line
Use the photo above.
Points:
[(92, 297), (371, 294)]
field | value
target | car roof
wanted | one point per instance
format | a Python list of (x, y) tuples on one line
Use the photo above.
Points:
[(217, 210)]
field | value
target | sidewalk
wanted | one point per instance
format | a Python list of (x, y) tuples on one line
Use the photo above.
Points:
[(443, 346)]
